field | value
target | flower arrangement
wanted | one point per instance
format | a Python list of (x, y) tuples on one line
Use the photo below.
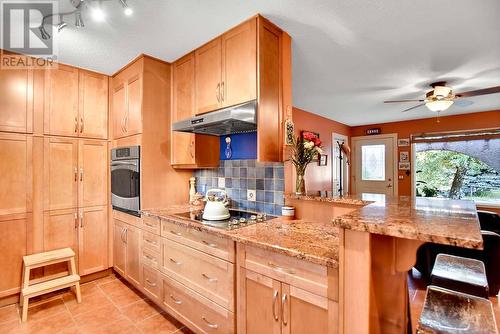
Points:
[(305, 149)]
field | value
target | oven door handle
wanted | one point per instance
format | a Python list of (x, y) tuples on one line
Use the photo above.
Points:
[(123, 163)]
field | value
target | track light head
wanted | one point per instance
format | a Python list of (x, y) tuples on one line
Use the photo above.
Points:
[(61, 25), (126, 9), (78, 20), (43, 32)]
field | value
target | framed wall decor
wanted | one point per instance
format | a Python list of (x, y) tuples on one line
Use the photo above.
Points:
[(404, 166), (404, 156), (323, 160), (404, 142)]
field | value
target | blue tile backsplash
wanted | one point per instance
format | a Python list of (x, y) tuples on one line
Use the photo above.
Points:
[(239, 176)]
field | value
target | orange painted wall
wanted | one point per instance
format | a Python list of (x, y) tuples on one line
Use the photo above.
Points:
[(318, 177), (480, 120)]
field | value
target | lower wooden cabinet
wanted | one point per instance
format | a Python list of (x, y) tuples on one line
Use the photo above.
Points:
[(127, 251), (93, 240), (12, 248)]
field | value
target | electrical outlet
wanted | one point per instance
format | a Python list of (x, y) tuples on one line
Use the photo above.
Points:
[(222, 182), (251, 195)]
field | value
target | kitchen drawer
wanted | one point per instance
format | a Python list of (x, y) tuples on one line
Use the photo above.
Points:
[(151, 224), (151, 283), (309, 276), (150, 258), (126, 218), (220, 247), (151, 241), (198, 312), (206, 274)]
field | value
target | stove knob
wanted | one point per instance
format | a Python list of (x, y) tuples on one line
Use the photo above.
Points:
[(243, 220)]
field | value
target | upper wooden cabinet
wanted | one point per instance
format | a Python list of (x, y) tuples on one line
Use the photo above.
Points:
[(16, 101), (93, 173), (61, 101), (127, 101), (75, 103), (189, 150), (93, 105), (208, 76)]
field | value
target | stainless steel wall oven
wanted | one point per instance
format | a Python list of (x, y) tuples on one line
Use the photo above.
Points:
[(125, 179)]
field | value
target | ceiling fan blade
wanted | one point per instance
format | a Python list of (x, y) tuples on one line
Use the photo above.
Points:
[(414, 107), (397, 101), (484, 91), (462, 103)]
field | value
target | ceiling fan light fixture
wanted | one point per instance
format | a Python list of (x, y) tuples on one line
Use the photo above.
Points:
[(439, 105), (442, 91)]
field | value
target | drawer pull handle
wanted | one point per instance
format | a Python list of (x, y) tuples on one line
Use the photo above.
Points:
[(149, 257), (176, 262), (176, 233), (208, 278), (177, 301), (278, 268), (209, 324), (150, 241), (275, 299), (209, 244), (150, 225), (150, 283)]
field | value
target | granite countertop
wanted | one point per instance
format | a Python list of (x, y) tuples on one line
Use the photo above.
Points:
[(329, 197), (311, 241), (443, 221)]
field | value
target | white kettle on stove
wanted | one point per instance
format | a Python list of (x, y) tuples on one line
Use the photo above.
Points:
[(216, 207)]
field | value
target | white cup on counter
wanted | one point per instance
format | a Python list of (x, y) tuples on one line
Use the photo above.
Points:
[(288, 212)]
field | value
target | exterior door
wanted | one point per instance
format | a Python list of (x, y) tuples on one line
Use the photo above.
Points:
[(16, 100), (133, 118), (61, 101), (93, 107), (239, 63), (93, 173), (133, 264), (373, 164), (93, 240), (119, 247), (183, 108), (60, 173), (260, 300), (208, 76), (119, 110)]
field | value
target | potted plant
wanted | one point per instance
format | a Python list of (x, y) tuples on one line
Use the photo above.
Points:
[(305, 148)]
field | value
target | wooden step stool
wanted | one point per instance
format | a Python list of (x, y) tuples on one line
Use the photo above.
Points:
[(44, 259)]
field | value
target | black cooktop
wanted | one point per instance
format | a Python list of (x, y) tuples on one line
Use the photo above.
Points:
[(236, 220)]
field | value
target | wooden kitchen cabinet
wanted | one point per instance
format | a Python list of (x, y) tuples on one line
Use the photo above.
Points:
[(60, 229), (208, 76), (119, 247), (13, 232), (61, 173), (16, 101), (93, 105), (133, 120), (93, 173), (119, 110), (61, 101), (93, 239), (16, 169), (189, 150), (133, 257)]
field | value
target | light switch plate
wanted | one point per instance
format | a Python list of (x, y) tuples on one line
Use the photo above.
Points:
[(222, 183), (250, 195)]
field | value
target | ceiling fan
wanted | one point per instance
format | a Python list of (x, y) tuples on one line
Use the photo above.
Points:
[(441, 97)]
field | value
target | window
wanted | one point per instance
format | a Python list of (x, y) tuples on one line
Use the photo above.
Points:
[(373, 162), (468, 169)]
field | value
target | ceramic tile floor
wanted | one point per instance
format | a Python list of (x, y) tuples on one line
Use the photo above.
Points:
[(417, 289), (108, 306)]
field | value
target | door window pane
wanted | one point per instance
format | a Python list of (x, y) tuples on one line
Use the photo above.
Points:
[(373, 162)]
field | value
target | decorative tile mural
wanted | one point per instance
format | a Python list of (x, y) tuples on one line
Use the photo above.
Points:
[(267, 179)]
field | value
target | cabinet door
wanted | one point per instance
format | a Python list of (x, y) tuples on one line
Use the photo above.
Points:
[(60, 173), (133, 119), (183, 108), (61, 101), (119, 106), (16, 100), (303, 312), (208, 76), (60, 229), (93, 240), (259, 305), (12, 248), (119, 247), (132, 264), (15, 168), (239, 64), (93, 173), (93, 108)]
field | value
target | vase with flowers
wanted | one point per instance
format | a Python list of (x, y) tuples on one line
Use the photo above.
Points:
[(305, 149)]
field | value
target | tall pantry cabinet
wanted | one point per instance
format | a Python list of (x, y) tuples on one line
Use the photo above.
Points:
[(54, 153)]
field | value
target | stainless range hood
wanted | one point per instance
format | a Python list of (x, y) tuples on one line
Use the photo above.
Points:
[(236, 119)]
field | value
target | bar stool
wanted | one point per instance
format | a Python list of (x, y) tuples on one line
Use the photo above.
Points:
[(460, 274), (446, 312)]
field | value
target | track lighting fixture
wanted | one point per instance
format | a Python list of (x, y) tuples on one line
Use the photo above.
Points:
[(43, 32), (97, 12), (126, 9), (78, 20), (61, 25)]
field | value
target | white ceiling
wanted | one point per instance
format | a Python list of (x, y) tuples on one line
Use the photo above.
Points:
[(348, 55)]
